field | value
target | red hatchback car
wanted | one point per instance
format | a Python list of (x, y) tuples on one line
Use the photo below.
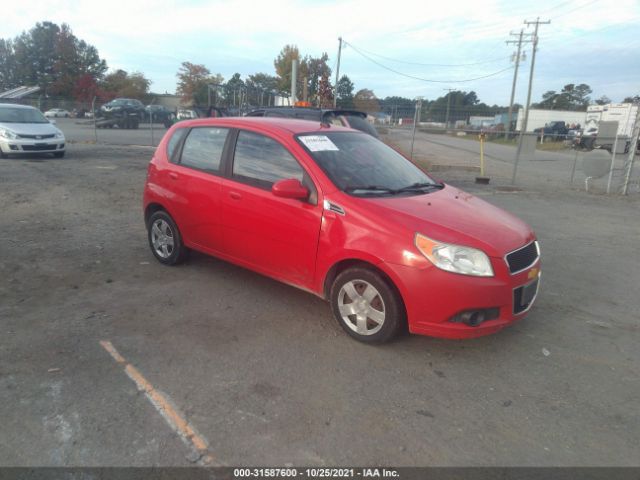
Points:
[(338, 213)]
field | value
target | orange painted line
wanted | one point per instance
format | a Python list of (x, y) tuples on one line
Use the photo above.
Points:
[(176, 421), (112, 351)]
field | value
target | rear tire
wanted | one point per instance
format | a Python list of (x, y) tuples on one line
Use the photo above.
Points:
[(366, 306), (165, 240)]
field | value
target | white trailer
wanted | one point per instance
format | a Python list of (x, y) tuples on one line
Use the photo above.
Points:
[(623, 113), (539, 118)]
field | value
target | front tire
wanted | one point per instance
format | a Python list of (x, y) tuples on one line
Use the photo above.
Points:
[(165, 239), (366, 306), (58, 154)]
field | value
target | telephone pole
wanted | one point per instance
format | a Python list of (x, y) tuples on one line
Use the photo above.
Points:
[(446, 120), (335, 93), (518, 58), (523, 129)]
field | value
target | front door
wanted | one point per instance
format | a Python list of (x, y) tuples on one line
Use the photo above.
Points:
[(276, 236)]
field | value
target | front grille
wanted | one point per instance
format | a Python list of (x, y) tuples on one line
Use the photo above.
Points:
[(36, 137), (40, 147), (522, 258)]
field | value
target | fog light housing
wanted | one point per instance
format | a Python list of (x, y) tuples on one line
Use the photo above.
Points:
[(473, 318), (14, 147)]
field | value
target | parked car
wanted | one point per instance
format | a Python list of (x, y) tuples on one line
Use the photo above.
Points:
[(57, 112), (345, 118), (340, 214), (123, 112), (159, 114), (553, 130), (25, 130)]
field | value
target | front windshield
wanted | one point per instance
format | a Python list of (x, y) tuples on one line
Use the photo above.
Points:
[(361, 165), (21, 115)]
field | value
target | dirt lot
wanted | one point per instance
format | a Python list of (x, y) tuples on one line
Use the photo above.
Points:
[(260, 370)]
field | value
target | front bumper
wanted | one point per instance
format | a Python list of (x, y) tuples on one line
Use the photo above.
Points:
[(433, 298), (27, 146)]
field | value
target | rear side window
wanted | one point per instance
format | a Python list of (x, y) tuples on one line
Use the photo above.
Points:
[(262, 161), (174, 141), (203, 148)]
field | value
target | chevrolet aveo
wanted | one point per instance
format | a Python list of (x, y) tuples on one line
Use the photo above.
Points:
[(338, 213)]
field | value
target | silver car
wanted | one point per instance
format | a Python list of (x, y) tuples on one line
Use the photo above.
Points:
[(24, 130)]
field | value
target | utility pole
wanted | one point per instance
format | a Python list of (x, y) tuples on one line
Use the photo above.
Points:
[(335, 94), (446, 120), (416, 119), (523, 129), (294, 80), (518, 58)]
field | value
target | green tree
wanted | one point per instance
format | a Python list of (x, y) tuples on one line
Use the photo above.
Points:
[(603, 100), (366, 100), (51, 57), (634, 99), (283, 63), (122, 84), (7, 65), (193, 81), (316, 69), (344, 92), (571, 97)]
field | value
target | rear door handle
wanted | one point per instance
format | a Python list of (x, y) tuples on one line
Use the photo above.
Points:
[(173, 175), (235, 195)]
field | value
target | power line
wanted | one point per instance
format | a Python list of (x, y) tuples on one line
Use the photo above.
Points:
[(425, 79), (431, 64), (575, 9)]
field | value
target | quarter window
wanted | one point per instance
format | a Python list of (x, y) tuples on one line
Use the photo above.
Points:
[(263, 161), (173, 143), (203, 148)]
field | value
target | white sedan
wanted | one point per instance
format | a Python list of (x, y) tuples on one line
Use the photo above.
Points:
[(57, 112)]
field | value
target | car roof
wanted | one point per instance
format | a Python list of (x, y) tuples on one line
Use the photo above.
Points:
[(17, 105), (268, 124)]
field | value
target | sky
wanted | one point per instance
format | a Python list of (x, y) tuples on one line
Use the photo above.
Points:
[(441, 44)]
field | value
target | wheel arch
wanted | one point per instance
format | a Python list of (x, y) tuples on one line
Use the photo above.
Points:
[(152, 208), (342, 265)]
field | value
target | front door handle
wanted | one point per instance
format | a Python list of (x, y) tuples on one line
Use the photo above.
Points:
[(173, 175), (235, 195)]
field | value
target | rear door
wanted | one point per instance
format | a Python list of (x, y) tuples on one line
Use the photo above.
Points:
[(197, 182), (276, 236)]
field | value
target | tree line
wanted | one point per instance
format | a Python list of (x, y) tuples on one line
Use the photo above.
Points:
[(62, 65)]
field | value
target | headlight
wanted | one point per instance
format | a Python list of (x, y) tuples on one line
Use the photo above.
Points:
[(8, 134), (59, 135), (455, 258)]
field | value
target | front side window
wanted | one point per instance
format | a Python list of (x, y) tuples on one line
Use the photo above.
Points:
[(203, 148), (263, 161)]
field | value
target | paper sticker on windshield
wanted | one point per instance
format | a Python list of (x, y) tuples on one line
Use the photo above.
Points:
[(318, 143)]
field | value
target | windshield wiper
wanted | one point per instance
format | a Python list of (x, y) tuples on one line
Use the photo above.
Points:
[(419, 187), (368, 188)]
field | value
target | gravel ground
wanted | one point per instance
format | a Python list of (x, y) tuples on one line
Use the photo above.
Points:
[(260, 369)]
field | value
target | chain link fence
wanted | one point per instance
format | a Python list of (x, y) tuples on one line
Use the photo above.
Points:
[(448, 142)]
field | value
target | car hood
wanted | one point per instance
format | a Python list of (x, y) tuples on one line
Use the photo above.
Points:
[(454, 216), (31, 128)]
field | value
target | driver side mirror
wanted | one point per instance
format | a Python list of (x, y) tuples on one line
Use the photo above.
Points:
[(290, 188)]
